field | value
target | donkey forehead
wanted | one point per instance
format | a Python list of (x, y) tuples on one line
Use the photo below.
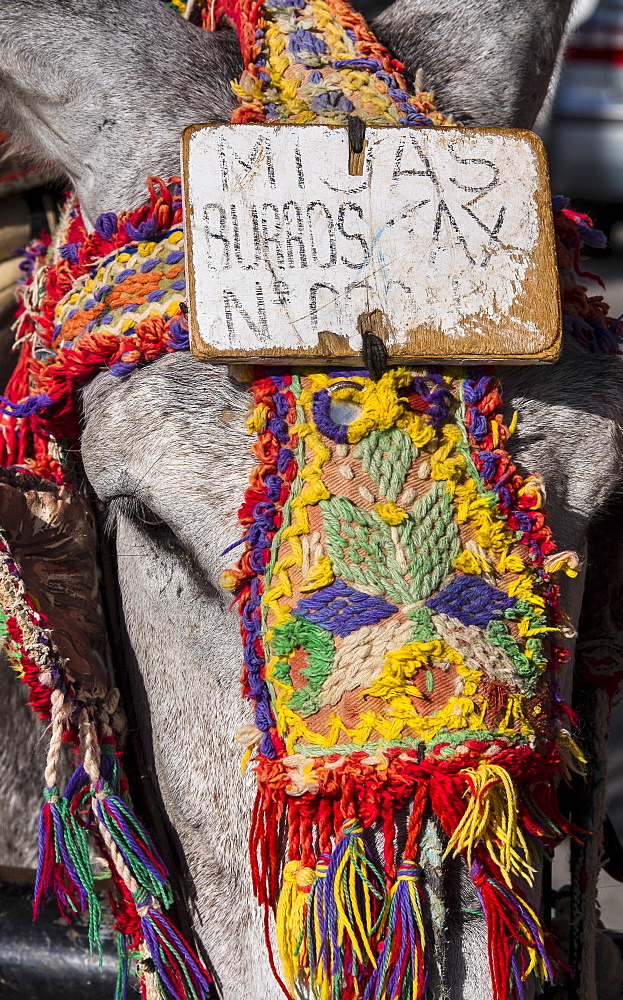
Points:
[(184, 420), (178, 422)]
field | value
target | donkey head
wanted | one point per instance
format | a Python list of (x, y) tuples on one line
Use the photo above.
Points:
[(103, 95)]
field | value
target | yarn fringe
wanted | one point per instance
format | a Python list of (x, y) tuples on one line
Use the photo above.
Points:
[(517, 945), (178, 970), (93, 806), (346, 926), (345, 918), (146, 935), (141, 885), (401, 967), (64, 868)]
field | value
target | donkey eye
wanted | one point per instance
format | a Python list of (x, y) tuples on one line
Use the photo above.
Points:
[(135, 510)]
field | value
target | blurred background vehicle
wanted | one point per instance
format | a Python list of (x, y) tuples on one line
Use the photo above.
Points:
[(585, 133)]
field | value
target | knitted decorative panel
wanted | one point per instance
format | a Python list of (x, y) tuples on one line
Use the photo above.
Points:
[(316, 61), (397, 608)]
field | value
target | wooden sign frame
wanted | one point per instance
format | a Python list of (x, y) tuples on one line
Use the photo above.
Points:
[(483, 227)]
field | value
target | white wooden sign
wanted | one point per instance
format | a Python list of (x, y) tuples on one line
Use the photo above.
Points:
[(443, 245)]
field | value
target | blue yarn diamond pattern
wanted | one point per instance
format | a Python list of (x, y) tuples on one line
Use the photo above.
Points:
[(472, 600), (342, 610)]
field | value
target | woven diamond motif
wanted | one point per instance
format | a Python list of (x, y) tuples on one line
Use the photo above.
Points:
[(341, 609), (472, 600)]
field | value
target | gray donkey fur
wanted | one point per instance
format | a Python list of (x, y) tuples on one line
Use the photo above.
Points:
[(104, 93)]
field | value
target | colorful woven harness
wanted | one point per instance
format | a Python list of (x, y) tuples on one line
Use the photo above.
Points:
[(398, 614)]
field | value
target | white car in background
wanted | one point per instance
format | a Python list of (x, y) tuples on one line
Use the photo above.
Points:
[(585, 136)]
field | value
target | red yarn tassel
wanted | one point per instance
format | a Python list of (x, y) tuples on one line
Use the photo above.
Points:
[(516, 937), (264, 841)]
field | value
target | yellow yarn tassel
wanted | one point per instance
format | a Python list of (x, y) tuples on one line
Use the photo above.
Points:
[(571, 757), (291, 916), (490, 820)]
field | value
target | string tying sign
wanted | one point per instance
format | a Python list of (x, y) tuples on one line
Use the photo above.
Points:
[(439, 241)]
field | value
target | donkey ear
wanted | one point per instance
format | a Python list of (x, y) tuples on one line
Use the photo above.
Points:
[(489, 62), (103, 91)]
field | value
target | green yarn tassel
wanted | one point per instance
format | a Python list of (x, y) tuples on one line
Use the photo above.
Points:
[(123, 968), (65, 867), (346, 913), (134, 843)]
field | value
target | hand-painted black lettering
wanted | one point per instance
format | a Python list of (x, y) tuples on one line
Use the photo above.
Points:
[(492, 231), (444, 212), (322, 234), (234, 308), (396, 282), (281, 292), (271, 235), (261, 313), (352, 285), (252, 238), (398, 171), (216, 232), (321, 230), (346, 208), (313, 302), (493, 181), (300, 176), (294, 234), (223, 164), (261, 150)]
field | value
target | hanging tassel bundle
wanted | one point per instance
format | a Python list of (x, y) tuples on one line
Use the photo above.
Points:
[(401, 969), (347, 914), (517, 940), (141, 882), (146, 935), (179, 972), (491, 819), (328, 919), (402, 972), (290, 919), (93, 806), (340, 931), (146, 889), (133, 843), (64, 868)]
